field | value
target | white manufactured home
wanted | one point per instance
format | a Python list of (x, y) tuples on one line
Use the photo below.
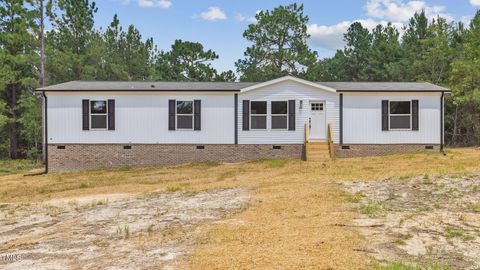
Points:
[(113, 124)]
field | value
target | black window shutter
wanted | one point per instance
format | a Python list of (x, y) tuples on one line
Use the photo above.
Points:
[(171, 114), (111, 114), (197, 119), (414, 114), (291, 115), (246, 115), (85, 114), (384, 114)]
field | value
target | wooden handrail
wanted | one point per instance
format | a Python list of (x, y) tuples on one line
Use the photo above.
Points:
[(331, 147)]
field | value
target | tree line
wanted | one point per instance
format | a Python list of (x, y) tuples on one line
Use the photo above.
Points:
[(44, 42)]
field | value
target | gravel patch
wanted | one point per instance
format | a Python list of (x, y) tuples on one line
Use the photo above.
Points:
[(424, 219), (118, 231)]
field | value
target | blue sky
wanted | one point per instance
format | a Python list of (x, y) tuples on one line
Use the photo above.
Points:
[(219, 25)]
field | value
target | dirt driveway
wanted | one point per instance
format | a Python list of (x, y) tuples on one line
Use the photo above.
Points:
[(116, 231)]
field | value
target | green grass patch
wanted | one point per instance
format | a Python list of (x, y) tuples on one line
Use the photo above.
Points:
[(406, 266), (276, 163), (452, 232), (353, 198), (371, 209), (8, 166), (474, 207)]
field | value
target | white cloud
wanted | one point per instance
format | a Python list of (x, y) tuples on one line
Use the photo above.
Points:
[(154, 3), (400, 10), (475, 2), (213, 14), (330, 37), (122, 2), (240, 18)]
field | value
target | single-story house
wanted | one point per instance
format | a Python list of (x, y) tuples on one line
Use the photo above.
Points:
[(93, 124)]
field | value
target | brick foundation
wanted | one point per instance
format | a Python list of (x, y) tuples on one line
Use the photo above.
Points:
[(76, 157), (363, 150)]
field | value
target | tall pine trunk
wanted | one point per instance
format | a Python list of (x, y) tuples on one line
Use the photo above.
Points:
[(13, 125)]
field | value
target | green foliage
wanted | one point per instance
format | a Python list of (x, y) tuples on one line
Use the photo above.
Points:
[(279, 47), (357, 52), (17, 74), (16, 166), (127, 57), (31, 122), (384, 55), (465, 83), (188, 61), (71, 42)]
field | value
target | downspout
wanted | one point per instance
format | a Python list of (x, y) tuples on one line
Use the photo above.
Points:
[(341, 118), (235, 122), (442, 125), (45, 142)]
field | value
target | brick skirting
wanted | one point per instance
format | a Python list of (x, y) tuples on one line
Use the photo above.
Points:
[(76, 157), (363, 150)]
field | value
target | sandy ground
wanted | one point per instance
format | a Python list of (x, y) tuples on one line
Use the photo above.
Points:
[(424, 219), (115, 231)]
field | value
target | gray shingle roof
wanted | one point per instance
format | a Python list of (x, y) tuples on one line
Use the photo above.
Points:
[(384, 86), (236, 86), (146, 86)]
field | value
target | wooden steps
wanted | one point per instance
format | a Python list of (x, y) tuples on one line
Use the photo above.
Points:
[(316, 150)]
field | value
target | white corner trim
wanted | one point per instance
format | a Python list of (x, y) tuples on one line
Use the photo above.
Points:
[(288, 78)]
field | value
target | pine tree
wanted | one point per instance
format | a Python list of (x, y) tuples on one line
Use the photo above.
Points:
[(17, 59), (279, 45)]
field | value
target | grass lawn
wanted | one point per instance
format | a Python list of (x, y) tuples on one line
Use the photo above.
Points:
[(8, 166), (295, 207)]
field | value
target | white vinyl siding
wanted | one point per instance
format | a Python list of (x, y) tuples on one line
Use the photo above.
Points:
[(362, 122), (140, 118), (287, 90)]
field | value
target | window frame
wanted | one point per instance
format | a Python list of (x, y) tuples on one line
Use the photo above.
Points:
[(390, 116), (92, 114), (183, 114), (272, 115), (252, 115)]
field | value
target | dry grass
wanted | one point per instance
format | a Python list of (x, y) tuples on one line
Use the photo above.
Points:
[(296, 211)]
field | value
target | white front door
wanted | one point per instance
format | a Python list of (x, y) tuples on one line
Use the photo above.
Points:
[(317, 120)]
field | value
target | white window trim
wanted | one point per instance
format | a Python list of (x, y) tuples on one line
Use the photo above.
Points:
[(389, 116), (92, 114), (266, 115), (183, 114), (272, 115)]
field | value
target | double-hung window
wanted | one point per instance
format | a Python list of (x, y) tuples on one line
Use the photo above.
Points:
[(98, 114), (279, 114), (258, 115), (184, 114), (400, 115)]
